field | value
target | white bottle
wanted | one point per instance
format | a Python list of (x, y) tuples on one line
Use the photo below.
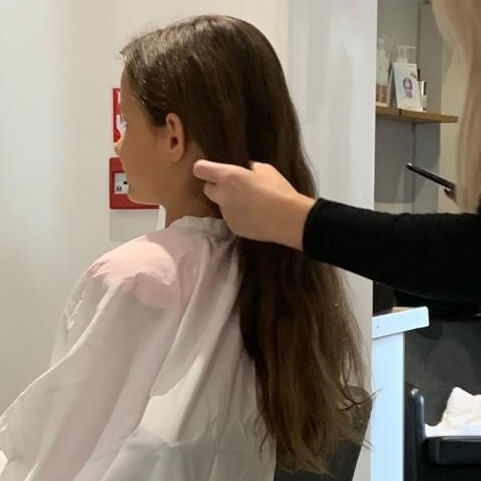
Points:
[(406, 54), (382, 74), (423, 86)]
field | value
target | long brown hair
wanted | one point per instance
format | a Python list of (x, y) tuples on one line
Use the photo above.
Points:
[(224, 80)]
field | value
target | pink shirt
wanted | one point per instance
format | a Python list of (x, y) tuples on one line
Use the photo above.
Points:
[(149, 379)]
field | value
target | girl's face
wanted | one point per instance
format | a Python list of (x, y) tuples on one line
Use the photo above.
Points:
[(158, 162), (151, 156)]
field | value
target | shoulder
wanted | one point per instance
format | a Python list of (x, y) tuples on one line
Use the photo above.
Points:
[(154, 268)]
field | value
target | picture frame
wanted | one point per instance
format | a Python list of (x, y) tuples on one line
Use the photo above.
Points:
[(406, 86)]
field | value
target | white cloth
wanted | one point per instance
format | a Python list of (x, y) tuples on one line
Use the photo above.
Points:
[(462, 416), (149, 379)]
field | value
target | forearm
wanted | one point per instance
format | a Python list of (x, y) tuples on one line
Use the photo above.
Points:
[(437, 255)]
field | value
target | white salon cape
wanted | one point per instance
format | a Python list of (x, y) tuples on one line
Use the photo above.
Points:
[(149, 379)]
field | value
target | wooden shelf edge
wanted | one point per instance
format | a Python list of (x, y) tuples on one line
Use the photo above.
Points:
[(428, 117), (413, 116), (387, 111)]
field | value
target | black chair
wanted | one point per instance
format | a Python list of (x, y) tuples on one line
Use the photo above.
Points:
[(450, 458), (343, 464), (437, 358)]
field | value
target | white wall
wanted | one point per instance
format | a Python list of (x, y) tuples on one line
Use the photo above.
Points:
[(428, 136), (432, 146), (331, 71), (409, 22), (398, 22), (453, 94), (59, 60)]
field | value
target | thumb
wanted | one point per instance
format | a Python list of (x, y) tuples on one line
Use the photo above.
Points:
[(212, 172), (212, 192), (262, 167), (207, 171), (215, 172)]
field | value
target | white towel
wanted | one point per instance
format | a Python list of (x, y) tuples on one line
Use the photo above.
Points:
[(462, 416)]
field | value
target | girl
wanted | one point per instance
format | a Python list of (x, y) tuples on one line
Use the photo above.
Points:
[(189, 354)]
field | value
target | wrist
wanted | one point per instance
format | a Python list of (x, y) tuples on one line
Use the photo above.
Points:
[(295, 211)]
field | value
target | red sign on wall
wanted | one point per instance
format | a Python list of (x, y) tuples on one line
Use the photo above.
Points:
[(118, 124)]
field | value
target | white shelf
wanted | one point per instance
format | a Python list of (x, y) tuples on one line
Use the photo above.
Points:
[(398, 321)]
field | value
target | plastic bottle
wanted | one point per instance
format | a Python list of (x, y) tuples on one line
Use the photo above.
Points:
[(406, 54), (382, 74)]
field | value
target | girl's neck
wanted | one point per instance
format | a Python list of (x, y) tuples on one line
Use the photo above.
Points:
[(195, 208)]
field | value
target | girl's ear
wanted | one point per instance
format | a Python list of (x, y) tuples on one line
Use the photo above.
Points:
[(175, 133)]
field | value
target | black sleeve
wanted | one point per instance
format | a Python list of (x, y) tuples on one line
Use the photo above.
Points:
[(434, 255)]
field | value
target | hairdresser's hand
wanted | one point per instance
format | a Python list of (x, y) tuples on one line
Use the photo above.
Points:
[(259, 204)]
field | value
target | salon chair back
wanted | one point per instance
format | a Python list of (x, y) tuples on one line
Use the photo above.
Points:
[(344, 461)]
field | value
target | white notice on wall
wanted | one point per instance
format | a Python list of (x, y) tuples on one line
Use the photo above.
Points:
[(121, 186)]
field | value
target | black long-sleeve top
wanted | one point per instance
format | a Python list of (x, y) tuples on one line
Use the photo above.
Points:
[(433, 255)]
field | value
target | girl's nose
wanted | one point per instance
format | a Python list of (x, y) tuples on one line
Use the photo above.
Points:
[(118, 146)]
